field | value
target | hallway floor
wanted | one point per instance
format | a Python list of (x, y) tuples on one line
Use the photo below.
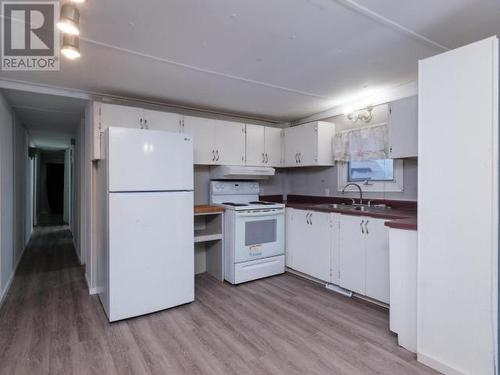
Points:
[(281, 325)]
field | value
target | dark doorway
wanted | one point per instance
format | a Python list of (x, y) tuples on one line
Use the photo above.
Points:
[(55, 187)]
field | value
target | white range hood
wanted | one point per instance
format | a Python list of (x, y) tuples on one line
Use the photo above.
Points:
[(232, 172)]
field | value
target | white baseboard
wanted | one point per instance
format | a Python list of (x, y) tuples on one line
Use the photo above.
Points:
[(4, 292), (91, 290), (438, 365)]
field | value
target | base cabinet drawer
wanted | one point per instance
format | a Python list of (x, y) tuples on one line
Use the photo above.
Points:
[(256, 269)]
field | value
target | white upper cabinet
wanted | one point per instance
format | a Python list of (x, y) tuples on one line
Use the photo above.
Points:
[(157, 120), (113, 115), (230, 143), (263, 146), (255, 145), (203, 132), (273, 146), (119, 115), (309, 144), (403, 128), (216, 142)]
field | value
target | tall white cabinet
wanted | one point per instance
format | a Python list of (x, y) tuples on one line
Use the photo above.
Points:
[(457, 285)]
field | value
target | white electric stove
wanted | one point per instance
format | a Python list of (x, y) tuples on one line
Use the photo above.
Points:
[(254, 235)]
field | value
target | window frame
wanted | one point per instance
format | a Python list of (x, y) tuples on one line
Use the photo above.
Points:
[(395, 186)]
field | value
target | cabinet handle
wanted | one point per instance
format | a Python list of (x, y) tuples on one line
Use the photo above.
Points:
[(263, 158), (142, 126), (307, 217), (366, 226), (267, 158), (217, 152), (361, 225), (213, 155), (311, 219), (146, 123), (297, 157)]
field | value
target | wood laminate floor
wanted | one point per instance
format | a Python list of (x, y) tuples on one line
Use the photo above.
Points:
[(280, 325)]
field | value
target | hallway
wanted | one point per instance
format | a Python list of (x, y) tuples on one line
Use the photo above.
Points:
[(44, 306)]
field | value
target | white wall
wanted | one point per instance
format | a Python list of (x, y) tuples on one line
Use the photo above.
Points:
[(15, 229), (88, 204), (67, 185), (6, 194)]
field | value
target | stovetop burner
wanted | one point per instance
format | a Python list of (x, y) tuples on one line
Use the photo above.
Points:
[(263, 203), (235, 204)]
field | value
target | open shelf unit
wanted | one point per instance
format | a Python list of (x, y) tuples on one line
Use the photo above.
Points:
[(209, 243)]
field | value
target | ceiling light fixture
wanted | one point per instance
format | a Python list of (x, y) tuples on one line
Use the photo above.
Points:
[(78, 1), (69, 20), (365, 115), (71, 46)]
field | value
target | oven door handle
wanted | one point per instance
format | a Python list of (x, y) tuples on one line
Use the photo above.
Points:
[(261, 214)]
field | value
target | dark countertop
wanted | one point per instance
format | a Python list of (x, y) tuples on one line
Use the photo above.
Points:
[(402, 215), (410, 223)]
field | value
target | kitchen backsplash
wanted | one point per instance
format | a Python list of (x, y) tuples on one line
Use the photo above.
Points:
[(317, 181)]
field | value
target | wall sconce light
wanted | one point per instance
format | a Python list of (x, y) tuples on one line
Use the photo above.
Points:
[(69, 19), (71, 46)]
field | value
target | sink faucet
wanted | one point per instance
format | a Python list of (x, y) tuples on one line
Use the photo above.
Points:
[(360, 191)]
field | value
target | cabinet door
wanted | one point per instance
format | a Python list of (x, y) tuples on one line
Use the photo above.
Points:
[(301, 253), (320, 246), (290, 236), (403, 128), (230, 142), (157, 120), (335, 256), (377, 260), (203, 133), (273, 146), (292, 145), (308, 144), (120, 116), (255, 145), (352, 266)]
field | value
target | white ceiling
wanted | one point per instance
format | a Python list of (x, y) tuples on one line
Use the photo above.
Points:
[(275, 59), (50, 120)]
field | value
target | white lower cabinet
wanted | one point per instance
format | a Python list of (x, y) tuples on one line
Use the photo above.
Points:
[(364, 256), (377, 260), (349, 251), (309, 243), (352, 267)]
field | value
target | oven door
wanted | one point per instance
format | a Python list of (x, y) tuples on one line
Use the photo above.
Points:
[(259, 234)]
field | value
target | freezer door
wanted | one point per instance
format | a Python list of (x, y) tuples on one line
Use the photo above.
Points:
[(149, 160), (151, 252)]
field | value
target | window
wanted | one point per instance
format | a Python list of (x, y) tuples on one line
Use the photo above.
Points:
[(377, 175), (371, 170)]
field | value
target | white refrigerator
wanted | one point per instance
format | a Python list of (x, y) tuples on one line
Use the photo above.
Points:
[(147, 264)]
